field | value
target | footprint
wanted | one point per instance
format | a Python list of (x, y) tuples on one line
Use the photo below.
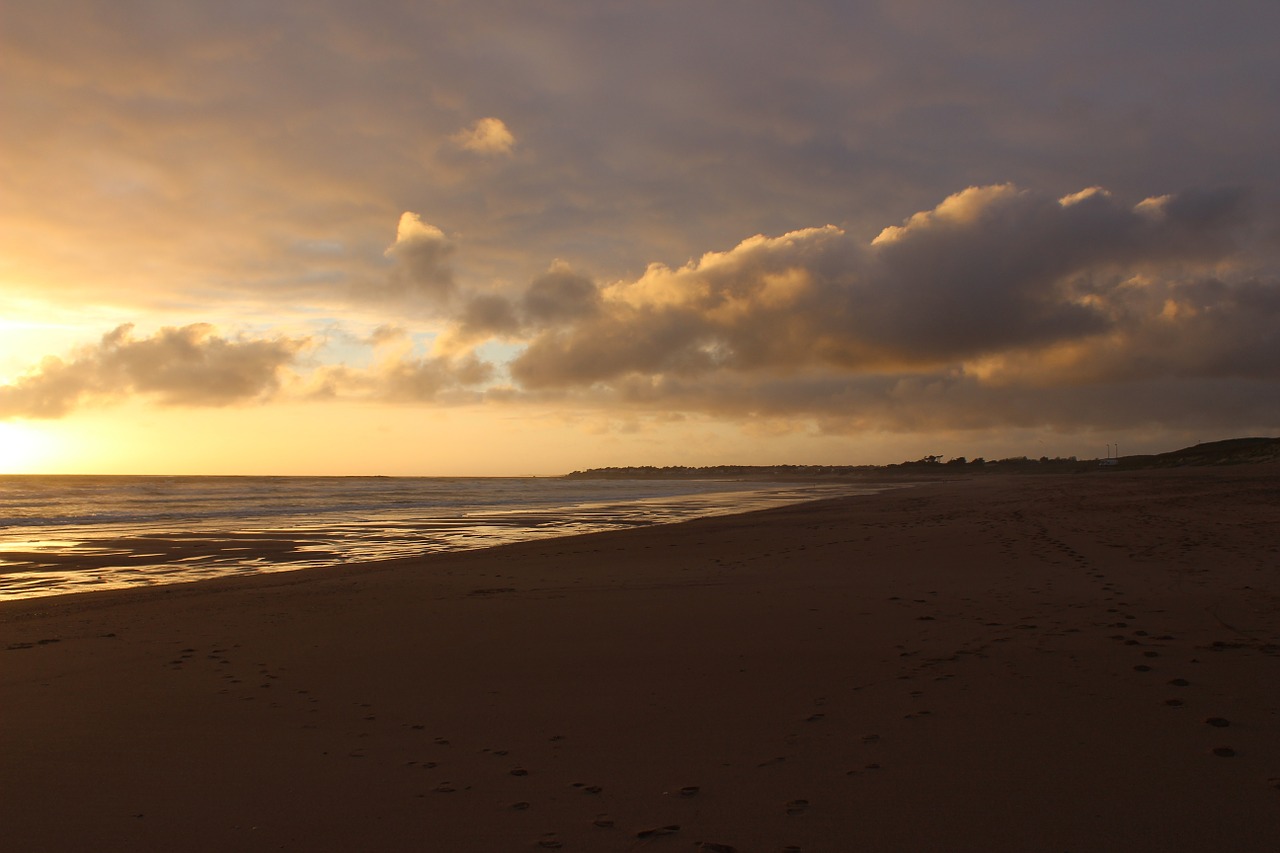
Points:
[(689, 791), (661, 830), (797, 807), (1224, 751), (1180, 682), (550, 841)]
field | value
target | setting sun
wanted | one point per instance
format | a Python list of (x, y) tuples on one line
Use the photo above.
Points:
[(23, 449)]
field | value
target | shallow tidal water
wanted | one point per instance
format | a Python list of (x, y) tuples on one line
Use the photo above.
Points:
[(62, 534)]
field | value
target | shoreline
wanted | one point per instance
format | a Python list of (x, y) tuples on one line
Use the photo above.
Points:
[(955, 666), (54, 557)]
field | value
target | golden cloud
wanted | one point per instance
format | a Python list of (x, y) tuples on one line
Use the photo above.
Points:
[(486, 136)]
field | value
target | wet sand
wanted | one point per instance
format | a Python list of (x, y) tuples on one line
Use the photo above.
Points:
[(1086, 663)]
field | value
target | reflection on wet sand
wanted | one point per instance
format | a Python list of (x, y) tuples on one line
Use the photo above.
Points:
[(82, 558)]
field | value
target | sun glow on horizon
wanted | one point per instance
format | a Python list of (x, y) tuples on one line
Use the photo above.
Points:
[(24, 449)]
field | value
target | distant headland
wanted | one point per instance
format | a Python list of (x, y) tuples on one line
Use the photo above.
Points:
[(1232, 451)]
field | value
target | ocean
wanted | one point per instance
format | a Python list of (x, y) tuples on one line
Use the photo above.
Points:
[(61, 534)]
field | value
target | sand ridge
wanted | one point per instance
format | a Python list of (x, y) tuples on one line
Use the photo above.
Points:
[(1003, 663)]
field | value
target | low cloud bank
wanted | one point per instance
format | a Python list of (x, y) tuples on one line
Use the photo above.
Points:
[(998, 307), (989, 271), (399, 375), (189, 366), (194, 366)]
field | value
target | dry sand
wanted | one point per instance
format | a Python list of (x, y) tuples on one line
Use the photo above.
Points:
[(1086, 663)]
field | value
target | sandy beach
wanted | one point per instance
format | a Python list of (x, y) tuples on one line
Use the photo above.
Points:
[(1035, 663)]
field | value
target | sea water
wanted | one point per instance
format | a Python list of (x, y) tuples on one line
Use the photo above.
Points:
[(63, 534)]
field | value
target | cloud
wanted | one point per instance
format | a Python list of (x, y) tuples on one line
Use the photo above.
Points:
[(950, 401), (558, 297), (423, 270), (194, 366), (998, 306), (989, 270), (187, 366), (398, 375), (422, 379), (205, 153), (486, 136)]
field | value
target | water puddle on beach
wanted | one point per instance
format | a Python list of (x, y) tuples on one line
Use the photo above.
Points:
[(81, 557)]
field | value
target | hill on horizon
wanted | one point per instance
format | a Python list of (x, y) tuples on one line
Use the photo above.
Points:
[(1231, 451)]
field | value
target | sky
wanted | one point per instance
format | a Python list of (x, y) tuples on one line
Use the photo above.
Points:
[(505, 238)]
